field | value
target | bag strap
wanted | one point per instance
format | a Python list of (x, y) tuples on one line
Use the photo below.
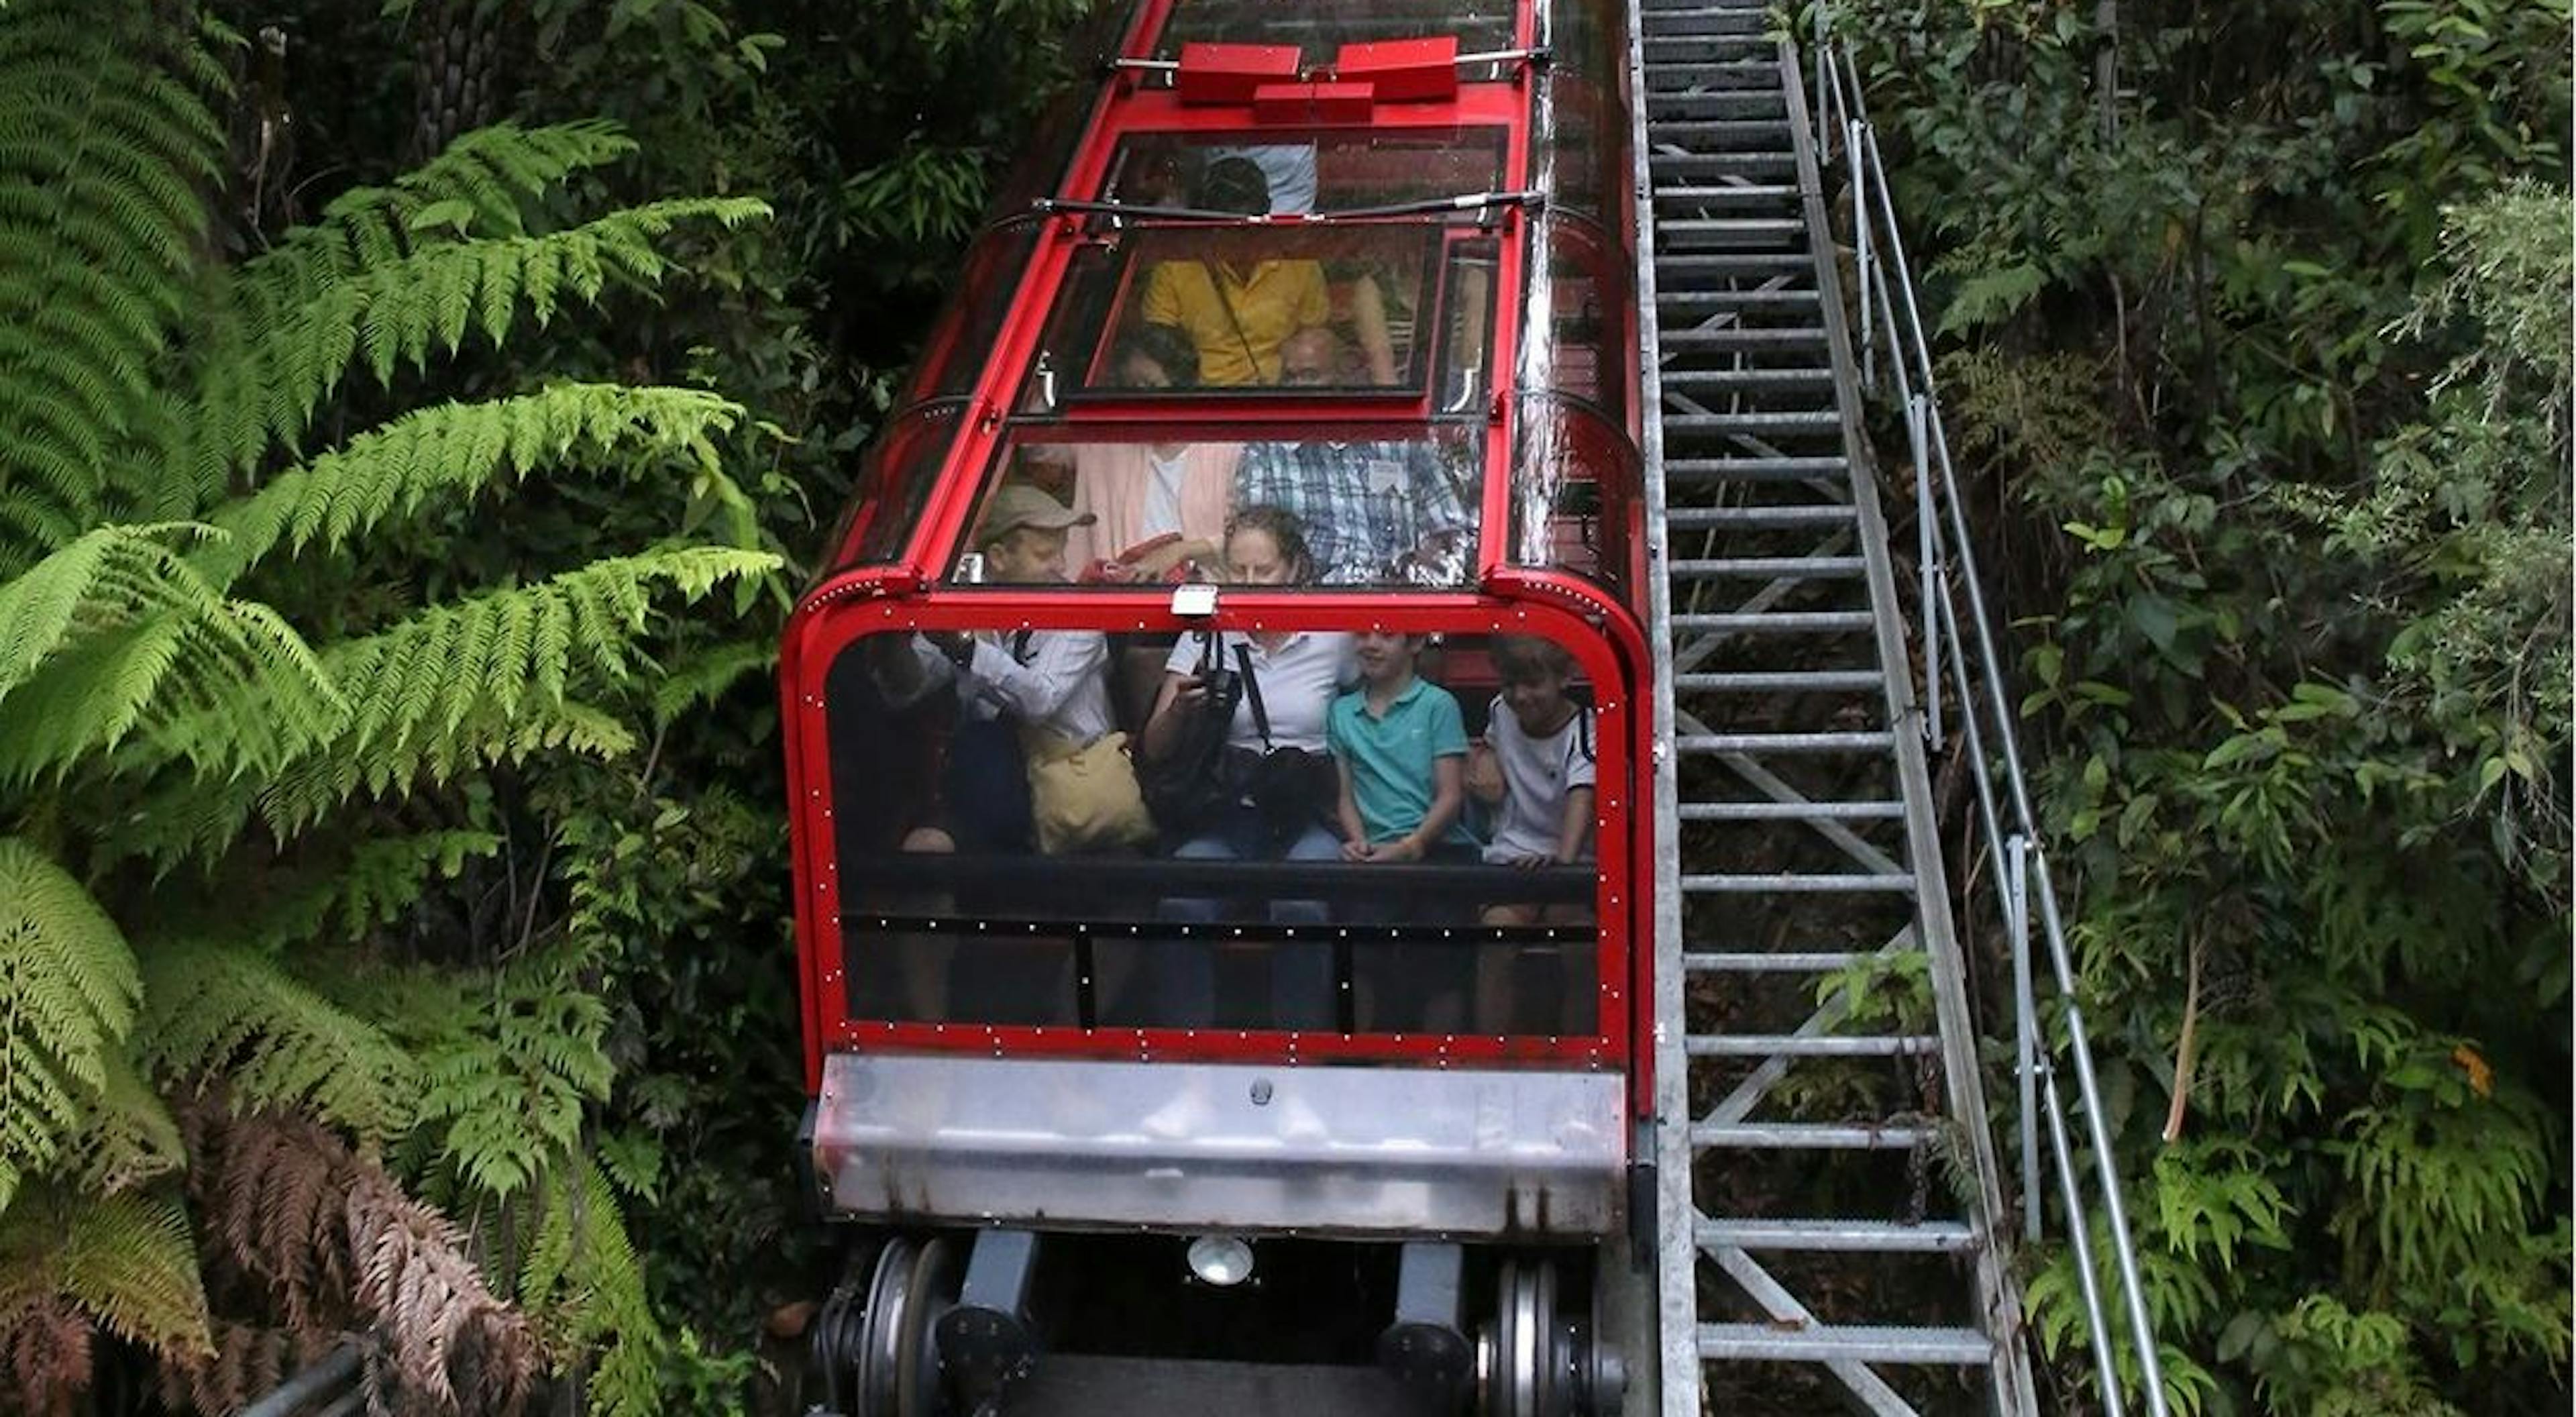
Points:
[(1216, 285), (1252, 692)]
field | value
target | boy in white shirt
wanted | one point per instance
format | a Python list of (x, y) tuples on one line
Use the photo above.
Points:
[(1537, 769)]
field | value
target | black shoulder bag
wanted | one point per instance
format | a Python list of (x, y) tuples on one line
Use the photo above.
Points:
[(1291, 788), (1183, 786)]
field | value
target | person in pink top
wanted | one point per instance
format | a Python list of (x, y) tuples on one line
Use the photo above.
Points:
[(1156, 505)]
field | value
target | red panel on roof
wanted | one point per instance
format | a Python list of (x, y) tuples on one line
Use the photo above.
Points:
[(1231, 73), (1313, 103), (1404, 70)]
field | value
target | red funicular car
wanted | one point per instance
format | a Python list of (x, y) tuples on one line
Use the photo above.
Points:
[(1295, 373)]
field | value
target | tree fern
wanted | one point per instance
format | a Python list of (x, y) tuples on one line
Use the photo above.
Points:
[(272, 366), (130, 1260), (129, 1137), (127, 1260), (457, 449), (101, 157), (582, 1273), (117, 632), (68, 991), (222, 1011), (511, 1085), (347, 896)]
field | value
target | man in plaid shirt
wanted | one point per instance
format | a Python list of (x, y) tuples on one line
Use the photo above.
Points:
[(1372, 512)]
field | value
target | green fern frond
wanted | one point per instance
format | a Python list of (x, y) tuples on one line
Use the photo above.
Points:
[(512, 1090), (130, 1137), (117, 634), (373, 884), (218, 1011), (68, 990), (130, 1260), (423, 708), (493, 174), (702, 679), (103, 160), (453, 450), (398, 306), (581, 1274)]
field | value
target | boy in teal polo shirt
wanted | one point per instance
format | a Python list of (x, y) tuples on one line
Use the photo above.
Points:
[(1401, 750)]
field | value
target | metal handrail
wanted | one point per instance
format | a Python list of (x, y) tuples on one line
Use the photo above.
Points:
[(1890, 316)]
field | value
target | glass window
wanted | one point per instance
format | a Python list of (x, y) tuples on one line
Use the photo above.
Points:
[(1577, 495), (953, 358), (1392, 856), (894, 483), (1137, 507), (1319, 31), (1185, 310), (1577, 331), (1298, 174)]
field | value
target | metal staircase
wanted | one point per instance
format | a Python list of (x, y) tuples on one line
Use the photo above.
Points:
[(1833, 1214)]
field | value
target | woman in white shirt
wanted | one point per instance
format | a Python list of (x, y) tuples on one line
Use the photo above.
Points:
[(1298, 673)]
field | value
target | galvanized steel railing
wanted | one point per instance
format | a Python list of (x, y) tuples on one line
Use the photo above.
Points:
[(1891, 339)]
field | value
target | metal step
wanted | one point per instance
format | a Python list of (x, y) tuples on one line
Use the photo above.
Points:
[(1806, 1136), (1792, 811), (1673, 77), (1782, 469), (1687, 164), (1660, 106), (1730, 194), (1837, 514), (1735, 299), (1751, 962), (1799, 337), (1782, 681), (1793, 883), (1708, 19), (1827, 1343), (1769, 422), (1924, 1237), (1803, 568), (1717, 134), (1745, 380), (1760, 745), (1776, 622), (1820, 1045), (1704, 232)]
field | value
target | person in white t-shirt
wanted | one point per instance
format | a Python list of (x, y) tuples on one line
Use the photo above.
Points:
[(1536, 769)]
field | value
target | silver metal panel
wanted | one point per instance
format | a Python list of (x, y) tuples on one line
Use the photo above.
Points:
[(1207, 1146)]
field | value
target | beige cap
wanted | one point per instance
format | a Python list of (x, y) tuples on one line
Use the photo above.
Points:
[(1019, 505)]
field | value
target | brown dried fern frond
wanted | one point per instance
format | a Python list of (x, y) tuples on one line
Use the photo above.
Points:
[(44, 1356), (248, 1360), (431, 1301), (270, 1187)]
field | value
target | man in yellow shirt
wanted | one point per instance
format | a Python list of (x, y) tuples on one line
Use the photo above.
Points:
[(1236, 315)]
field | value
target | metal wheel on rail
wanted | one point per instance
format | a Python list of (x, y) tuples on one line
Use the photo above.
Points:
[(1522, 1364), (873, 1339)]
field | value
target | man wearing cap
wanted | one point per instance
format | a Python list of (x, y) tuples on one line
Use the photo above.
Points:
[(1051, 679)]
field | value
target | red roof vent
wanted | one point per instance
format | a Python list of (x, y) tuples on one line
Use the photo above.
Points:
[(1232, 73), (1313, 103), (1403, 70)]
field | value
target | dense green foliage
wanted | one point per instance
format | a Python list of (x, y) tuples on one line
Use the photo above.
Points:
[(390, 935), (389, 854), (2269, 391)]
